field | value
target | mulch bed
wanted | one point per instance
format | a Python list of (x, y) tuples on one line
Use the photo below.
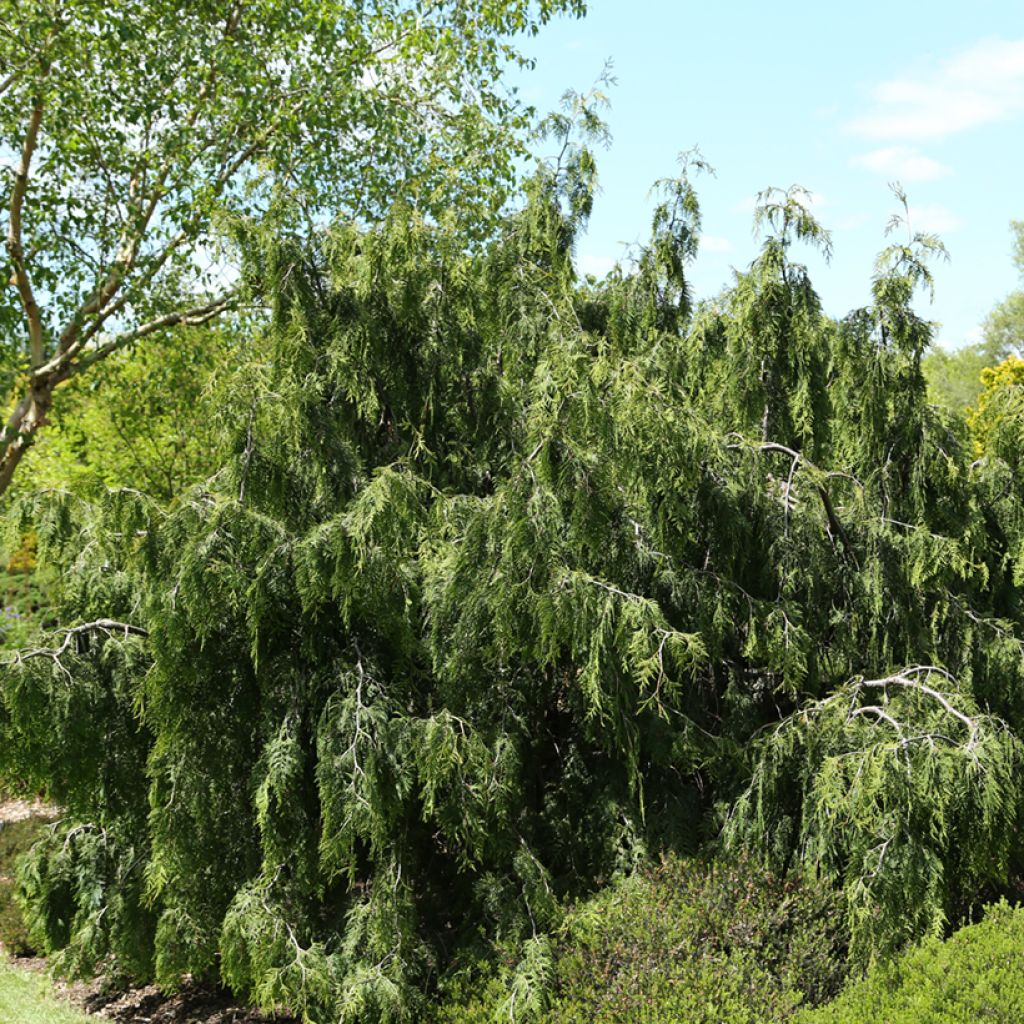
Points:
[(193, 1005)]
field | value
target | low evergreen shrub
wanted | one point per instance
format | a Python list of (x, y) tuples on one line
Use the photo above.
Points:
[(976, 975), (687, 941)]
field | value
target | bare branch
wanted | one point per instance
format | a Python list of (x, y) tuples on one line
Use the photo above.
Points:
[(907, 679), (108, 627), (188, 317)]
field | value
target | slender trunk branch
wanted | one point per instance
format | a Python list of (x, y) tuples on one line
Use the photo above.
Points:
[(14, 235), (182, 317)]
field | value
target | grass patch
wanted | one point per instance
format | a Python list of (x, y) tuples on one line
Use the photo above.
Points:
[(26, 997)]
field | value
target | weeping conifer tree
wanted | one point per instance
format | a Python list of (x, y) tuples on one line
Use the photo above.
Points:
[(509, 583)]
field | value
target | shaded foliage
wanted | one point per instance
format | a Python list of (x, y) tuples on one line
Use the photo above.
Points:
[(723, 943)]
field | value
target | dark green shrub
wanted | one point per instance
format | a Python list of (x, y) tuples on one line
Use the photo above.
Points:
[(692, 942), (977, 975), (720, 943)]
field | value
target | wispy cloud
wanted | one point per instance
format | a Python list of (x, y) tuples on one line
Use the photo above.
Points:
[(980, 85), (935, 219), (715, 243), (903, 163)]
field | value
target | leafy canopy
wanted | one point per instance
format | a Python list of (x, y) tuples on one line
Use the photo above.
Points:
[(135, 132)]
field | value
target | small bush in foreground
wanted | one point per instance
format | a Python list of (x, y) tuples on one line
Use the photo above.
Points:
[(976, 975), (705, 944)]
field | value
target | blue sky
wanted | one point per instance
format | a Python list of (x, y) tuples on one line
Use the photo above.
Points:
[(840, 98)]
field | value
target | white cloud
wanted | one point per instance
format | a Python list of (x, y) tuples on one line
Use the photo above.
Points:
[(980, 85), (715, 243), (935, 219), (903, 163)]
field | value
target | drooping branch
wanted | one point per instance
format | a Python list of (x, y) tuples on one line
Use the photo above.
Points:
[(108, 627), (835, 527), (908, 680), (913, 679)]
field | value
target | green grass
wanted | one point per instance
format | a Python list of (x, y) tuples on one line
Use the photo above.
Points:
[(27, 998)]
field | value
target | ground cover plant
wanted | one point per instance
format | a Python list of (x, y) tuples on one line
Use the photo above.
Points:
[(721, 943), (508, 583)]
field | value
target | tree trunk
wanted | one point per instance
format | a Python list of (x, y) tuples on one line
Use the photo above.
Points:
[(28, 416)]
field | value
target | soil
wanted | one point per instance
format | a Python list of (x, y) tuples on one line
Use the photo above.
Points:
[(19, 810), (193, 1005)]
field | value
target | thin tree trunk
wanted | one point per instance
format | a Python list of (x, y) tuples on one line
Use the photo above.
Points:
[(28, 416)]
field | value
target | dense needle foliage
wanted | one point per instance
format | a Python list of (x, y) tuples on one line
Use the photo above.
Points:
[(973, 976), (511, 582)]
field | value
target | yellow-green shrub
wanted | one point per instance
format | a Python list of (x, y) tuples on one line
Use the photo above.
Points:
[(976, 975)]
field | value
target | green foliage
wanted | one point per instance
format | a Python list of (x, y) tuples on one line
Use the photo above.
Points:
[(973, 976), (16, 837), (1004, 326), (683, 942), (907, 795), (509, 584), (149, 420), (140, 132), (954, 378), (24, 589), (996, 417), (695, 943)]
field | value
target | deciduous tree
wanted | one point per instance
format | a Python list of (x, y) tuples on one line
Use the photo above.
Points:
[(131, 130)]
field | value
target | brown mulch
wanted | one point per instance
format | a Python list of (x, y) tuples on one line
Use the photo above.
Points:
[(193, 1005)]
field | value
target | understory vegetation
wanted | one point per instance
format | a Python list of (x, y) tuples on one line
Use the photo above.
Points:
[(974, 976), (686, 941)]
